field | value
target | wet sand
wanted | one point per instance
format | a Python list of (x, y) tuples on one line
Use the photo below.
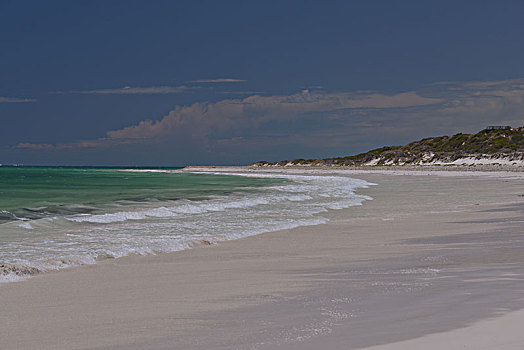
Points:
[(431, 259)]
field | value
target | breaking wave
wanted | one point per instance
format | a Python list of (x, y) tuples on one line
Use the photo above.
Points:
[(61, 240)]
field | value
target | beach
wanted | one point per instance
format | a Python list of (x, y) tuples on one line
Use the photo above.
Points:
[(435, 259)]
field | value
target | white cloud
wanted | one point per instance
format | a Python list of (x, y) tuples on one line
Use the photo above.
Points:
[(148, 90), (16, 100), (229, 118), (130, 90), (220, 80), (317, 119), (37, 146), (240, 92)]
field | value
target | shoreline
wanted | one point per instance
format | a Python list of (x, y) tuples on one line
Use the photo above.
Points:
[(485, 170), (293, 288), (359, 169)]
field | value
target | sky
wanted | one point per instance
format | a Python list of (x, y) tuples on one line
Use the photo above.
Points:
[(172, 83)]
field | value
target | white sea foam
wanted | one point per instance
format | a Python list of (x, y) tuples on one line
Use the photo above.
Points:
[(155, 227), (12, 277), (25, 225)]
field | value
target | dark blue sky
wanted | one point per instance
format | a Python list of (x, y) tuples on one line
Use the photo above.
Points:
[(312, 78)]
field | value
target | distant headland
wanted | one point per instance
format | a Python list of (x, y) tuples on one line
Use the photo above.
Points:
[(495, 145)]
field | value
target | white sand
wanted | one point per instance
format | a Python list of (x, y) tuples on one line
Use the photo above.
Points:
[(501, 333), (427, 257)]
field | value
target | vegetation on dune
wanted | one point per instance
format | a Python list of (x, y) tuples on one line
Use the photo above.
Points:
[(494, 144)]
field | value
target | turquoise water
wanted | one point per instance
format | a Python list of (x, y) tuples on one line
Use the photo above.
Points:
[(36, 192), (52, 217)]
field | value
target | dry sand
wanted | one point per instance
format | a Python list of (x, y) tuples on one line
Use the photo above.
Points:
[(432, 261), (501, 333)]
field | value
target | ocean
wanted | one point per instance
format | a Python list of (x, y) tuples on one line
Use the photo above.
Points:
[(56, 217)]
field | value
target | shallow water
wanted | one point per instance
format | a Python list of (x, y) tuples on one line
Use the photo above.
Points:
[(52, 218)]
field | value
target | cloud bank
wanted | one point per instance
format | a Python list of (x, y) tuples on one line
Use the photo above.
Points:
[(231, 117), (261, 126)]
